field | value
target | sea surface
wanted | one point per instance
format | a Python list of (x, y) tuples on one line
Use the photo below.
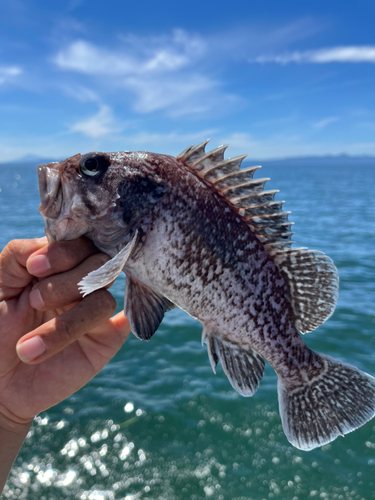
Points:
[(156, 423)]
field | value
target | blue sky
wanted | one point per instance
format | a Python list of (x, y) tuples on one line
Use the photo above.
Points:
[(272, 79)]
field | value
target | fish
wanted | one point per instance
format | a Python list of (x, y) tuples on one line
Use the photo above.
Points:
[(199, 232)]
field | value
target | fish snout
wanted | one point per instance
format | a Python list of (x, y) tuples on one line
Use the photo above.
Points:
[(59, 220), (50, 190)]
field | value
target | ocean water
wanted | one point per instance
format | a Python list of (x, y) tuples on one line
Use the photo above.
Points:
[(156, 423)]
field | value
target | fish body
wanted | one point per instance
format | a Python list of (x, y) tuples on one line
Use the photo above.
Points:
[(199, 233), (200, 254)]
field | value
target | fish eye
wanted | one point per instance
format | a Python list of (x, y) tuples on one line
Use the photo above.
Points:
[(92, 165)]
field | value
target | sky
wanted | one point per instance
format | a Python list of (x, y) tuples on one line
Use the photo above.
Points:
[(271, 79)]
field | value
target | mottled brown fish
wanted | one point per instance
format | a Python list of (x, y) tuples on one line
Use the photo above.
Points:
[(197, 232)]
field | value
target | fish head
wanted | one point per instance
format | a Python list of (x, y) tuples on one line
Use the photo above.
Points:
[(73, 194), (99, 194)]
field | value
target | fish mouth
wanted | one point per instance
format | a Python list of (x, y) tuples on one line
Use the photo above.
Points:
[(61, 230), (50, 190), (59, 222)]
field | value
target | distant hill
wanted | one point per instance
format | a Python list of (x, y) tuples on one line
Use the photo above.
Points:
[(317, 161), (29, 160)]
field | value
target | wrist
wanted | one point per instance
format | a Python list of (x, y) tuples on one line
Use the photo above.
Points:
[(10, 423), (12, 434)]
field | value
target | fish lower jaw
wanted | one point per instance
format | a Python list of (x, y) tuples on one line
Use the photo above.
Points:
[(64, 229)]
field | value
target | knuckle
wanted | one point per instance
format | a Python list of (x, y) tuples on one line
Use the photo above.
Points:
[(67, 254), (12, 246), (66, 330), (48, 293), (106, 300)]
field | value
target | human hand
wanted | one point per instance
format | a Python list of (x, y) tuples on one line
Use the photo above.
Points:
[(62, 339)]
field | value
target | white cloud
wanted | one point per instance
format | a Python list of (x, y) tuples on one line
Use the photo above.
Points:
[(161, 93), (87, 58), (325, 121), (180, 73), (8, 72), (348, 54), (99, 125), (158, 71), (136, 56)]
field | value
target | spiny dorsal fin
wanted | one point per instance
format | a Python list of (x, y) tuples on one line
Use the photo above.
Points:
[(184, 153), (254, 186), (263, 215), (311, 275), (210, 159), (269, 221), (273, 207), (253, 199), (234, 178), (223, 168), (192, 154)]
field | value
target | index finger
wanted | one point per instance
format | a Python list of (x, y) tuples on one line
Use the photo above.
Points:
[(13, 273), (55, 335), (59, 257)]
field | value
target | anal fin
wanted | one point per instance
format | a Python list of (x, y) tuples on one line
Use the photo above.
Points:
[(243, 366), (144, 308), (211, 350)]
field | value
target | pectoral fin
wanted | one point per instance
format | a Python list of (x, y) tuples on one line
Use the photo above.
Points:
[(144, 308), (108, 272)]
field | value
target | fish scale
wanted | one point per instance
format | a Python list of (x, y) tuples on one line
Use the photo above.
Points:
[(199, 233)]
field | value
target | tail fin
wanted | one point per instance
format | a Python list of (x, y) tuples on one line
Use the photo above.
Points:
[(338, 401)]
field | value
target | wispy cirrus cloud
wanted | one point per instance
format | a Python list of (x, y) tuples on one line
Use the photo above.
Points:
[(325, 121), (136, 56), (157, 94), (345, 54), (9, 72), (80, 93)]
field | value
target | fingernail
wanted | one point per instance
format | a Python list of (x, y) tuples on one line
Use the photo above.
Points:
[(38, 265), (36, 299), (43, 239), (31, 349)]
